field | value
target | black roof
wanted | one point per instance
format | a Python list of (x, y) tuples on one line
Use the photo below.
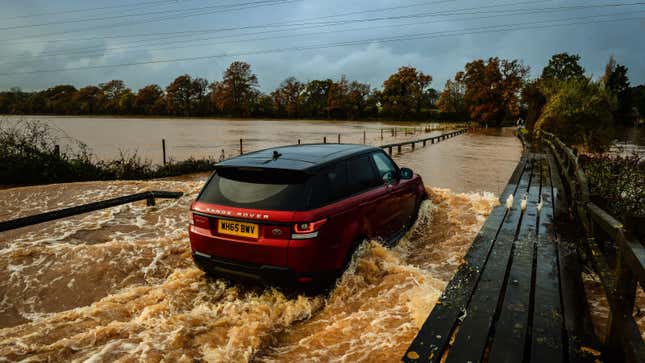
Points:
[(297, 157)]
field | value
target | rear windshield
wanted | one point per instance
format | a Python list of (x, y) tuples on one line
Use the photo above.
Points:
[(257, 189)]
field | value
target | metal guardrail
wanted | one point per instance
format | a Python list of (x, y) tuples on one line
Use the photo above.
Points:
[(68, 212), (412, 143), (620, 273)]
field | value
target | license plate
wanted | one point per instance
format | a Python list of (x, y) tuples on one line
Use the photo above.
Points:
[(235, 228)]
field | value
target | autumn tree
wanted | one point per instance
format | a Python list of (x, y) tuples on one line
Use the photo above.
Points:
[(237, 91), (404, 92), (493, 89), (88, 99), (60, 100), (185, 95)]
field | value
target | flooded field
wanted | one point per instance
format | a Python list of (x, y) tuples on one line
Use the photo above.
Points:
[(119, 284), (201, 138)]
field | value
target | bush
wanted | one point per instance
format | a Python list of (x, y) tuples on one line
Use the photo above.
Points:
[(579, 112), (617, 183)]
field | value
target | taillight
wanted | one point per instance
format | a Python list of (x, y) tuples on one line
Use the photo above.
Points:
[(190, 218), (307, 230), (199, 220)]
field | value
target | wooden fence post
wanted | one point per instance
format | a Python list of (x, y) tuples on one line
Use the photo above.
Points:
[(339, 138), (624, 297), (163, 148), (324, 139), (364, 137), (381, 134), (241, 150), (298, 141)]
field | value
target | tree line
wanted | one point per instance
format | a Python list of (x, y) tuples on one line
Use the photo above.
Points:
[(406, 94), (491, 92)]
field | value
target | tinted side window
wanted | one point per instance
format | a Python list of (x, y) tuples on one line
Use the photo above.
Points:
[(383, 164), (361, 175), (327, 186)]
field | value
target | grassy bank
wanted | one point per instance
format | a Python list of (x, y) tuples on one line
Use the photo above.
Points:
[(28, 155)]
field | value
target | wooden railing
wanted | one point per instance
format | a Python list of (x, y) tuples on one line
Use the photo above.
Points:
[(619, 265), (412, 143)]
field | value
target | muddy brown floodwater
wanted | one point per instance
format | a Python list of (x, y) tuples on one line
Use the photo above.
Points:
[(119, 284)]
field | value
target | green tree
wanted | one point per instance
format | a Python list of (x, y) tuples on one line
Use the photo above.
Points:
[(148, 99), (451, 99), (337, 104), (125, 103), (315, 98), (60, 100), (580, 113), (287, 99), (237, 92), (563, 67), (89, 99), (111, 93), (638, 98), (533, 100), (185, 95), (616, 81), (404, 92), (357, 100)]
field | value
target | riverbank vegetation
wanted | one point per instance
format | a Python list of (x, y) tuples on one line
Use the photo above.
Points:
[(585, 113), (29, 155)]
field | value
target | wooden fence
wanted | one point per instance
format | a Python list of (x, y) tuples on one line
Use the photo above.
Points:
[(616, 256), (412, 143)]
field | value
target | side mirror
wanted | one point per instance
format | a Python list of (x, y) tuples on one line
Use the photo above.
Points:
[(406, 173), (389, 177)]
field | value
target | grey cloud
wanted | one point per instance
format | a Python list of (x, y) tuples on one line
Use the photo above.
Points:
[(371, 62)]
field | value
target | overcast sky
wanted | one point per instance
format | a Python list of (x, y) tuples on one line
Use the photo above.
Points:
[(365, 40)]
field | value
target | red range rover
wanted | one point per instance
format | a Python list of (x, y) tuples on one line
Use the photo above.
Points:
[(297, 213)]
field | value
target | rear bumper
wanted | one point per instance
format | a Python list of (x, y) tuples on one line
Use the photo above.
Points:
[(237, 270), (291, 258)]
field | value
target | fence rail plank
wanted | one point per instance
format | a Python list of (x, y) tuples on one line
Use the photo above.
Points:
[(68, 212)]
